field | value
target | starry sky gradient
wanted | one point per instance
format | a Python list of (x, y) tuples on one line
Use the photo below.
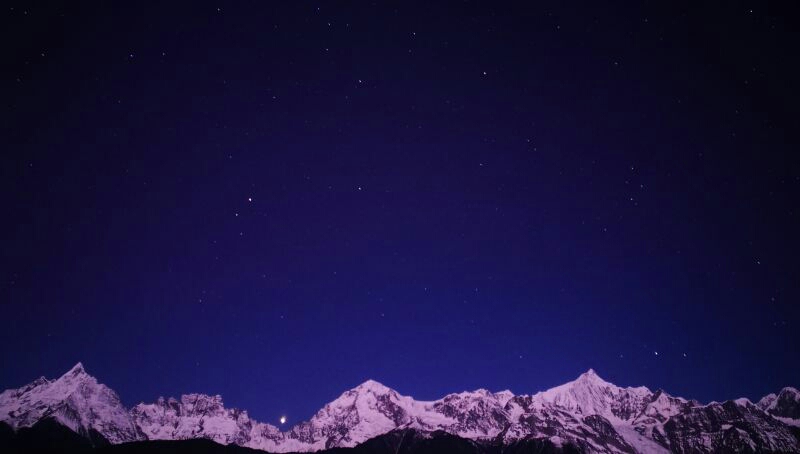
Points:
[(277, 202)]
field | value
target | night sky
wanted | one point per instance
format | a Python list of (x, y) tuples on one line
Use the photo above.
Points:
[(277, 202)]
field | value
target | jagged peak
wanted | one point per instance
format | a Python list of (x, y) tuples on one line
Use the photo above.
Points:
[(591, 379), (767, 400), (770, 399), (479, 391), (201, 396), (483, 392), (364, 396), (504, 396), (40, 381), (77, 369), (591, 375), (661, 395), (77, 372), (201, 400), (160, 401), (374, 386), (588, 394), (789, 390), (588, 379)]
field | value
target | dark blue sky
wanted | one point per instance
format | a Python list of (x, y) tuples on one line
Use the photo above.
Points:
[(275, 203)]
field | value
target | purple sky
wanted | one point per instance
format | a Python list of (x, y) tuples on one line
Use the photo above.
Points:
[(275, 203)]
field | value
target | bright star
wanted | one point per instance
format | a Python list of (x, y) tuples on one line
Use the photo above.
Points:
[(283, 419)]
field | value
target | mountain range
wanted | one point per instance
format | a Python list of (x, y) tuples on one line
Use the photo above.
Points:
[(587, 414)]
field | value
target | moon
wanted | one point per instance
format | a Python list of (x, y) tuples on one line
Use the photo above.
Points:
[(283, 419)]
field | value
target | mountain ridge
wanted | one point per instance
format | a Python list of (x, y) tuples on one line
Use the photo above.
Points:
[(589, 413)]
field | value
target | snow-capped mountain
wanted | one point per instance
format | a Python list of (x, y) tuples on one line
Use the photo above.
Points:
[(194, 416), (784, 406), (588, 413), (372, 409), (75, 400)]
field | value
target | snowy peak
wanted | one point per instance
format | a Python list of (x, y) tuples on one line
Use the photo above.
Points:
[(660, 407), (785, 404), (76, 371), (591, 379), (76, 400), (368, 410), (75, 377), (194, 416), (370, 396), (792, 391), (367, 391), (41, 381), (190, 405), (202, 404), (484, 395), (474, 414), (589, 394), (373, 386), (591, 375), (372, 409), (504, 396)]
